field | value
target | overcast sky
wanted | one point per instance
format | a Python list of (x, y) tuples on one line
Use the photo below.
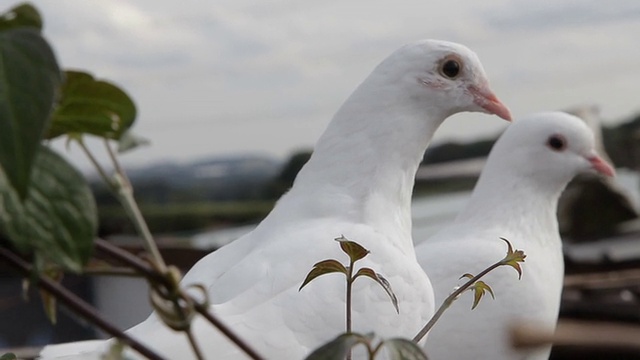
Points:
[(241, 76)]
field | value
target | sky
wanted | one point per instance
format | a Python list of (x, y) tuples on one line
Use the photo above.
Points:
[(217, 78)]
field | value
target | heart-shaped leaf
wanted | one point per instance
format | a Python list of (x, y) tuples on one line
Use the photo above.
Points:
[(322, 268), (90, 106), (403, 349), (29, 77), (57, 219), (23, 15)]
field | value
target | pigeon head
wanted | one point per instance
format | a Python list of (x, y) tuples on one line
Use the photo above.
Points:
[(386, 124), (444, 73), (551, 145)]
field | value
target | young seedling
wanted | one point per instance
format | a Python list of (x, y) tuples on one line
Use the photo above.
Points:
[(341, 346)]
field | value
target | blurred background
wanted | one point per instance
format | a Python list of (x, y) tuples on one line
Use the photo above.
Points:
[(233, 94), (223, 77)]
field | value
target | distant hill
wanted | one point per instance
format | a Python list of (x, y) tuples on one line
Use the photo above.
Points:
[(187, 196), (231, 178)]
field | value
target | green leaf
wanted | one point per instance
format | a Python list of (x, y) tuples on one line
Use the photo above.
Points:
[(29, 77), (380, 280), (9, 356), (403, 349), (23, 15), (513, 258), (90, 106), (322, 268), (337, 348), (351, 248), (58, 218)]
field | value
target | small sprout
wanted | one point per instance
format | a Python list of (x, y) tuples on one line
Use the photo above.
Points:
[(355, 252), (513, 258), (479, 289), (322, 268)]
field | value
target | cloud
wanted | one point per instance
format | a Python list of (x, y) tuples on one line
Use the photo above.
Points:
[(248, 75), (540, 16)]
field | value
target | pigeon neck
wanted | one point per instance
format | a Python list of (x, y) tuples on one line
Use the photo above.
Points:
[(515, 199), (364, 165)]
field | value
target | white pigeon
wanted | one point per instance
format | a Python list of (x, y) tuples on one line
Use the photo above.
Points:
[(358, 183), (516, 198)]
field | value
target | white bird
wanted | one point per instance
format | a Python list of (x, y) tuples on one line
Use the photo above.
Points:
[(358, 183), (516, 198)]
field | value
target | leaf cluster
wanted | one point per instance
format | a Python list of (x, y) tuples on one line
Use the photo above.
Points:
[(46, 206)]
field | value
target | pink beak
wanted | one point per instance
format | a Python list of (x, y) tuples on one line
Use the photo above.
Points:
[(601, 166), (486, 99)]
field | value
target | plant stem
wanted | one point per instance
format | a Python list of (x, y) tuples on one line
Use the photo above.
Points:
[(78, 306), (96, 164), (451, 298), (348, 300), (194, 344), (125, 195), (129, 259), (116, 164), (131, 207)]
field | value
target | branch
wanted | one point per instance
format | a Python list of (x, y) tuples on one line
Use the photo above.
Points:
[(153, 276), (451, 298), (513, 259), (76, 304)]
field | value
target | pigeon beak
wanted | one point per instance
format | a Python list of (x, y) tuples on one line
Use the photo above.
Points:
[(601, 166), (487, 100)]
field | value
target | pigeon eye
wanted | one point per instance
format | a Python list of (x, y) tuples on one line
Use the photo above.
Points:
[(450, 68), (557, 142)]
